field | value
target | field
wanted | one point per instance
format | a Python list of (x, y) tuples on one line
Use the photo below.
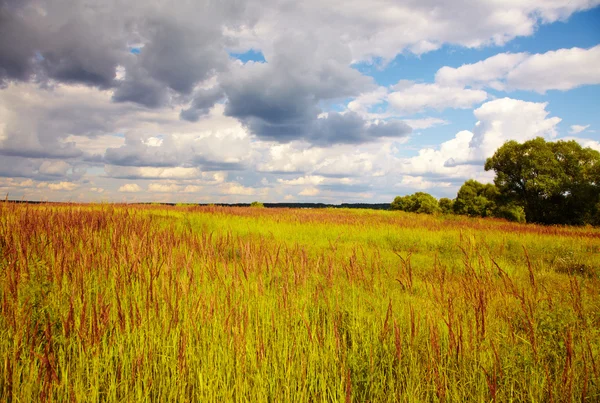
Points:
[(149, 303)]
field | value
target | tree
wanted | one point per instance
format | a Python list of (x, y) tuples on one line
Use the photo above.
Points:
[(446, 205), (419, 202), (257, 204), (554, 183), (402, 203), (476, 199)]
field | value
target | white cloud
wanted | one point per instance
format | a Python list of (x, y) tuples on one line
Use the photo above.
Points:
[(154, 141), (64, 129), (432, 161), (96, 145), (425, 123), (418, 182), (575, 129), (153, 172), (130, 188), (237, 189), (498, 121), (510, 119), (303, 180), (192, 189), (364, 102), (593, 144), (487, 72), (562, 69), (384, 28), (55, 168), (63, 186), (418, 97), (312, 191), (12, 183)]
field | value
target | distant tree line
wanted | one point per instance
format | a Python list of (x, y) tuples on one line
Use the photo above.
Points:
[(536, 181)]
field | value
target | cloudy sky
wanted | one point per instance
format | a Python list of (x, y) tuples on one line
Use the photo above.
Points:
[(284, 100)]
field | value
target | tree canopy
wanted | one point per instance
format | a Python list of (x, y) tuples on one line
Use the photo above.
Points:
[(554, 182), (536, 181), (476, 199), (419, 202)]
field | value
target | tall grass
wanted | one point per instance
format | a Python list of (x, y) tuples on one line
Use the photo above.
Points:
[(145, 303)]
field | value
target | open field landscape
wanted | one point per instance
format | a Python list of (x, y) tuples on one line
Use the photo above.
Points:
[(129, 303)]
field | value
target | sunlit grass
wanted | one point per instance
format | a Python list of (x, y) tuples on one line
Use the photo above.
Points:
[(150, 303)]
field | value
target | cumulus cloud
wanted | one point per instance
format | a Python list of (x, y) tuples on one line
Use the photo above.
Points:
[(309, 49), (63, 186), (54, 168), (309, 192), (509, 119), (418, 182), (303, 180), (278, 100), (151, 90), (485, 73), (411, 98), (498, 121), (130, 188), (414, 26), (237, 189), (192, 189), (203, 100), (562, 69)]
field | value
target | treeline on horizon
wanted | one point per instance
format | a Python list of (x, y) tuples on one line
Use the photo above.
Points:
[(536, 181)]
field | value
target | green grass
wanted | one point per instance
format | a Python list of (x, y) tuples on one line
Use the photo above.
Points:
[(147, 303)]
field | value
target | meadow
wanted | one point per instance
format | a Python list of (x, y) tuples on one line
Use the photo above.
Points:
[(126, 303)]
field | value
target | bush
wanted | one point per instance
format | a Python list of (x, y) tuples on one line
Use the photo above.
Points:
[(511, 212), (446, 205), (257, 204), (419, 202)]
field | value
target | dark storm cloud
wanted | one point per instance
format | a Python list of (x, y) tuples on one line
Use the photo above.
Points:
[(179, 56), (350, 128), (81, 42), (38, 169), (75, 53), (68, 151), (279, 100), (181, 46), (59, 40), (142, 89), (17, 42), (201, 104), (14, 167)]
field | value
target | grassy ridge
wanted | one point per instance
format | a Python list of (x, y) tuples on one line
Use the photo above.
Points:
[(146, 303)]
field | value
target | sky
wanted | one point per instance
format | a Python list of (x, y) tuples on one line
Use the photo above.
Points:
[(334, 101)]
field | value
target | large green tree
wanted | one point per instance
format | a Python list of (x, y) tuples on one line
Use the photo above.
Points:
[(554, 182), (476, 199)]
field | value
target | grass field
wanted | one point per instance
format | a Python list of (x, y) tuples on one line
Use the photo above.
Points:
[(148, 303)]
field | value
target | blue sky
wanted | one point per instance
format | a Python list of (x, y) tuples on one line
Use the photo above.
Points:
[(273, 101)]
